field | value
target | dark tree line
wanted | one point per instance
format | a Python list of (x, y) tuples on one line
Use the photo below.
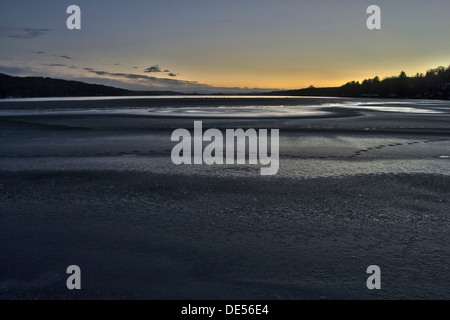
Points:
[(435, 84)]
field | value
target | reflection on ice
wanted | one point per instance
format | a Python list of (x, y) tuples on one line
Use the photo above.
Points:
[(223, 106), (399, 107), (239, 111), (188, 112)]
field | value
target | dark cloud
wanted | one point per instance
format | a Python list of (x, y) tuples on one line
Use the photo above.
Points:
[(53, 55), (154, 83), (100, 73), (18, 71), (23, 33), (154, 68), (170, 73), (54, 65), (150, 81), (117, 64)]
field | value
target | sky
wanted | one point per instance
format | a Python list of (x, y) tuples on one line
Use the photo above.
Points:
[(222, 45)]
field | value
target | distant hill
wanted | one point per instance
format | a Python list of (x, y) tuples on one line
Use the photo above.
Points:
[(33, 87)]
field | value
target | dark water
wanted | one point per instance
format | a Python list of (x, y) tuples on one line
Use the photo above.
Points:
[(91, 183)]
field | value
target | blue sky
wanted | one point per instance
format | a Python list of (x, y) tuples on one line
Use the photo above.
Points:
[(211, 45)]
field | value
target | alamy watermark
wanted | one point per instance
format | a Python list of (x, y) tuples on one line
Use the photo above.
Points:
[(238, 144), (374, 21), (74, 280), (374, 280), (74, 20)]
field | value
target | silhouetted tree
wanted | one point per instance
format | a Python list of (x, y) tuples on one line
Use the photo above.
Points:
[(434, 84)]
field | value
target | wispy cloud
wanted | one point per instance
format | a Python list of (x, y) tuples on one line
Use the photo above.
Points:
[(23, 33), (137, 76), (153, 83), (53, 55), (18, 71), (66, 57), (54, 65), (150, 81), (144, 82)]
